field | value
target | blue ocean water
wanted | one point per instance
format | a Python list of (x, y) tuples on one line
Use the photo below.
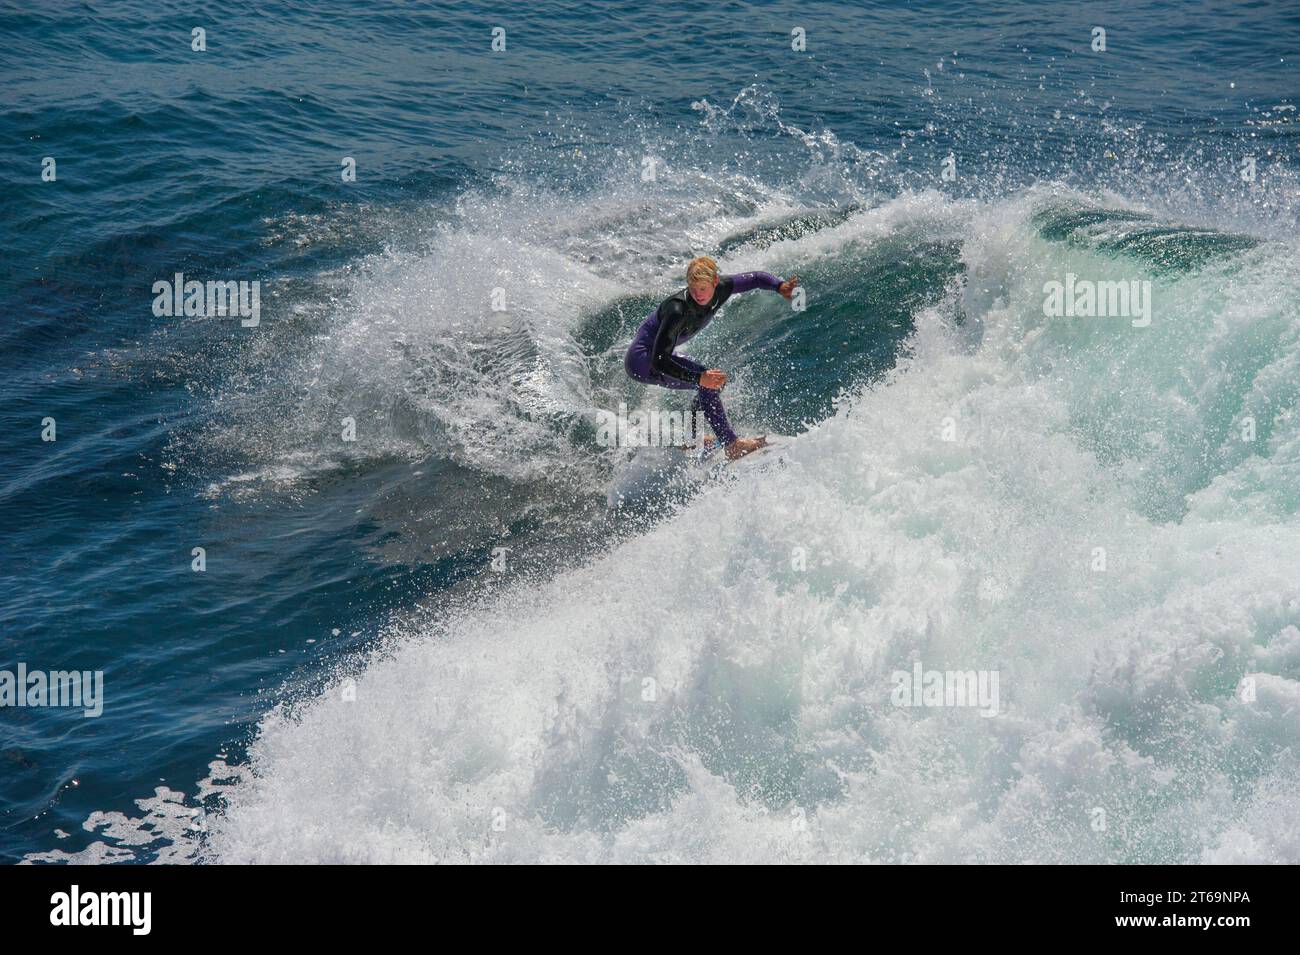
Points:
[(432, 642)]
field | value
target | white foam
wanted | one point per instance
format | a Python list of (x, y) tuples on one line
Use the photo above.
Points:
[(771, 613)]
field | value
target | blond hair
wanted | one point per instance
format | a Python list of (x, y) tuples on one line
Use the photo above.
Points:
[(702, 269)]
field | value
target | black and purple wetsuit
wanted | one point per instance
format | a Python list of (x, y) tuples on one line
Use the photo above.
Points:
[(677, 319)]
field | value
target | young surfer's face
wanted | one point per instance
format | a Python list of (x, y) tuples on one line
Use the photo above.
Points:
[(702, 292)]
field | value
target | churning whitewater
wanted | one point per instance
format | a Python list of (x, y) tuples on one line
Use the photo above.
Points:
[(1101, 513)]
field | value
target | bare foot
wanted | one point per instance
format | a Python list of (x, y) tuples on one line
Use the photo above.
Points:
[(743, 446)]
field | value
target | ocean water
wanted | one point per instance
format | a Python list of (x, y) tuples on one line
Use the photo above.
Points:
[(438, 642)]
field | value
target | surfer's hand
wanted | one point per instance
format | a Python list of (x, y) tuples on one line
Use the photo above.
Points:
[(787, 287), (713, 379)]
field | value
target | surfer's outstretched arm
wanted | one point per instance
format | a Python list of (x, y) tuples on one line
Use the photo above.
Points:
[(747, 281)]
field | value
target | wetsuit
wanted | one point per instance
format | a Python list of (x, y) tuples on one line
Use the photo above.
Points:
[(677, 319)]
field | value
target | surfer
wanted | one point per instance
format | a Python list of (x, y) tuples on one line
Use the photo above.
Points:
[(678, 318)]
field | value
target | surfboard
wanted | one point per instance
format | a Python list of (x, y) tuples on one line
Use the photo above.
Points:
[(675, 473), (770, 453)]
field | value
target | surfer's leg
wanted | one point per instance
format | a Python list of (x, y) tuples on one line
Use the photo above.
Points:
[(637, 366), (710, 402)]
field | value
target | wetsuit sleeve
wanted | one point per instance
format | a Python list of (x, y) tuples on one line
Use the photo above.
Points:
[(662, 358), (747, 281)]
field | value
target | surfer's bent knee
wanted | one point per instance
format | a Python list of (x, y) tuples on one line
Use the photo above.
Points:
[(637, 365)]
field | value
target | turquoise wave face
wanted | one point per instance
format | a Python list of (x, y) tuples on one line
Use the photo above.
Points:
[(1164, 247), (1094, 500)]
